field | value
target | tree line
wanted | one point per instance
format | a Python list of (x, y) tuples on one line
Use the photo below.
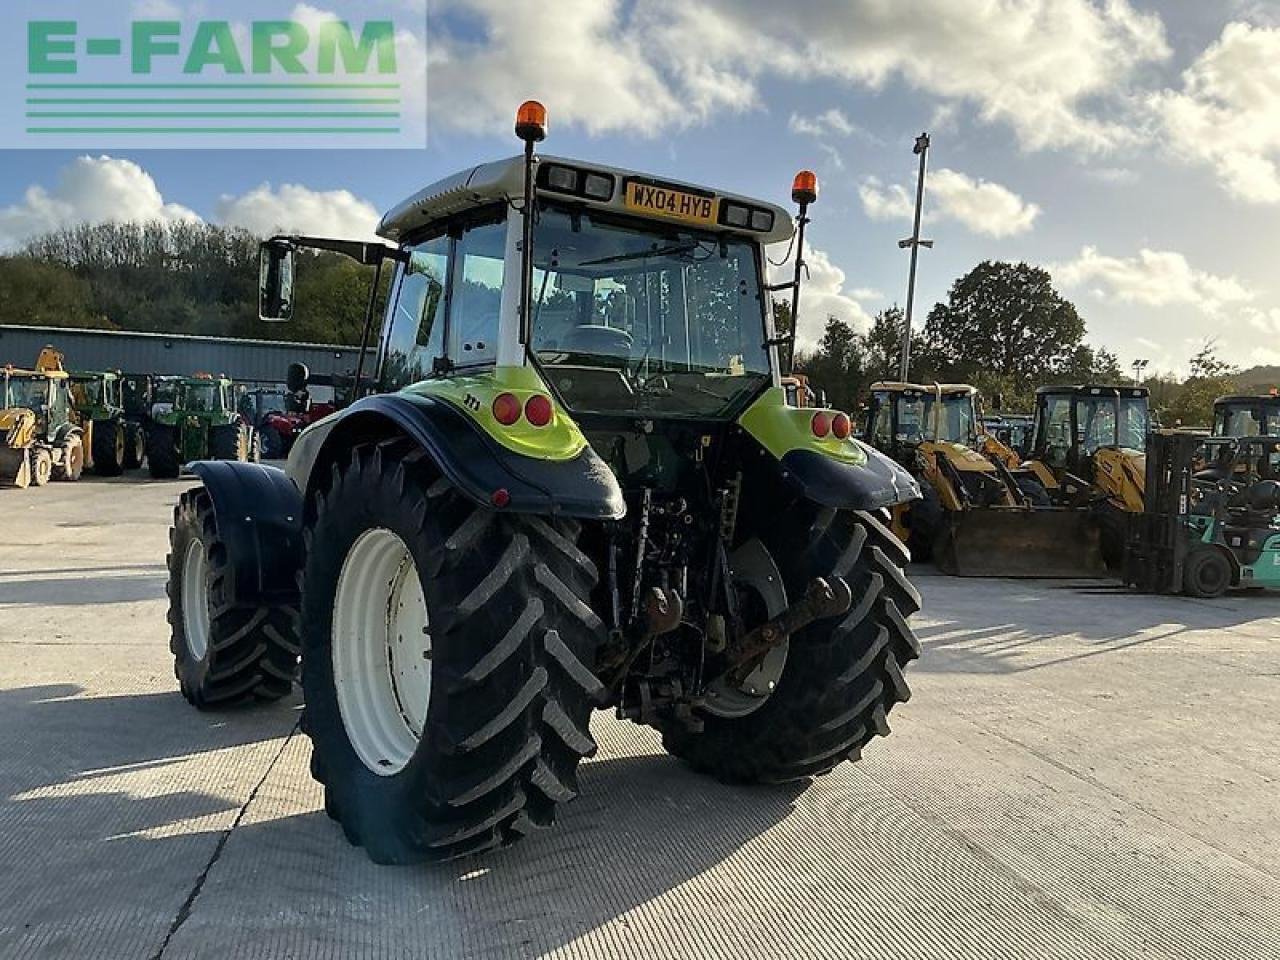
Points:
[(1003, 327)]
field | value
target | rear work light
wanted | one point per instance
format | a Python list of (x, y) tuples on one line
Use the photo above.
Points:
[(591, 184), (740, 216)]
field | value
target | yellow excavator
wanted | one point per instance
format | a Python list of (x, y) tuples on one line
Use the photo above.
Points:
[(40, 439), (982, 513), (1088, 450)]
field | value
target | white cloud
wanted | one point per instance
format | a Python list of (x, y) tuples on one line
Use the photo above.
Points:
[(1154, 278), (1056, 71), (294, 208), (831, 122), (822, 295), (982, 206), (1227, 114), (88, 190)]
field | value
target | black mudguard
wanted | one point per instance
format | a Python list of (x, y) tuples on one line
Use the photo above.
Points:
[(583, 487), (259, 515), (880, 482)]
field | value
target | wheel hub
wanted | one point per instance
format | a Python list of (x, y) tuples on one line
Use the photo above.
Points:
[(381, 651), (195, 600)]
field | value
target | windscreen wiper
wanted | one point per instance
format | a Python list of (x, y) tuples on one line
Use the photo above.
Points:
[(641, 255)]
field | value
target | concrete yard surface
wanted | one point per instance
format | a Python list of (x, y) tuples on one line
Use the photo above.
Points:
[(1082, 772)]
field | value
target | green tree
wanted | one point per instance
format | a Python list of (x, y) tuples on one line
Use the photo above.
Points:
[(836, 365), (1210, 378), (1005, 319), (882, 345)]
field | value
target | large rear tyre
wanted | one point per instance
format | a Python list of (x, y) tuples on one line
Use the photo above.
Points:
[(108, 448), (446, 667), (162, 452), (224, 654), (135, 445), (229, 441), (841, 676), (71, 464)]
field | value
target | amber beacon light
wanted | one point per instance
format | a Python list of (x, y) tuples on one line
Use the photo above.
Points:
[(804, 188), (531, 122)]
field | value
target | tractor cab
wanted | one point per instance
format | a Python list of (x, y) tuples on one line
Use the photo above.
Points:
[(901, 416), (1073, 423), (1246, 416)]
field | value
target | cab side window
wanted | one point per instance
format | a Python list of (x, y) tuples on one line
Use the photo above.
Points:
[(477, 295), (1058, 438), (416, 338)]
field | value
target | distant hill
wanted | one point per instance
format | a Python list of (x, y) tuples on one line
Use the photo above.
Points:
[(1259, 379)]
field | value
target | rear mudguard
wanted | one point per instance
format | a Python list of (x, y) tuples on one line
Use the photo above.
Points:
[(878, 482), (259, 515), (486, 472)]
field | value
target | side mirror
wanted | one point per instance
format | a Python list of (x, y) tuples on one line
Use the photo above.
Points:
[(297, 377), (275, 281)]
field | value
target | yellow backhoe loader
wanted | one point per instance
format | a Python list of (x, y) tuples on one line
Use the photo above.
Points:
[(982, 513), (39, 437), (1089, 452)]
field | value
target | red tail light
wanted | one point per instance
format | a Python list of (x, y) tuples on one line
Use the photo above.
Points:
[(506, 408), (537, 410), (821, 424), (841, 426)]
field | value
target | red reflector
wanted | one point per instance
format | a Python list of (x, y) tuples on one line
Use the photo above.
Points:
[(841, 426), (537, 410), (500, 497), (821, 424), (506, 408)]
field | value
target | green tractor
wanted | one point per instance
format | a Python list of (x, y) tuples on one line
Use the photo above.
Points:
[(194, 418), (576, 483), (114, 443), (1211, 521)]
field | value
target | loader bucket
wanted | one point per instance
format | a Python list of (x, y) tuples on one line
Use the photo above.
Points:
[(994, 542), (15, 469)]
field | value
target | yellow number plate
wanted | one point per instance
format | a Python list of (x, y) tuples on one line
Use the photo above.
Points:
[(674, 204)]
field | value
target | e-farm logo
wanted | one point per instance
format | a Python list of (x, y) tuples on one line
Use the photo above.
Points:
[(309, 78)]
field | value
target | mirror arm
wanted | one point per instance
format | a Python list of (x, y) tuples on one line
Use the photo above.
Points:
[(366, 254), (368, 327)]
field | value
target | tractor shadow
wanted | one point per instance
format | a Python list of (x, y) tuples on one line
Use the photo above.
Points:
[(38, 589), (993, 626)]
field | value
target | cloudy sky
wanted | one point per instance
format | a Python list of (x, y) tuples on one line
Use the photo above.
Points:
[(1130, 146)]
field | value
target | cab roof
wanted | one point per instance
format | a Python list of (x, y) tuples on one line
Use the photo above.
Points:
[(18, 373), (1093, 390), (503, 180), (898, 386), (1263, 398)]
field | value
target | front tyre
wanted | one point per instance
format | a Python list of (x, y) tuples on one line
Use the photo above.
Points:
[(135, 445), (162, 452), (224, 653), (841, 675), (446, 668), (108, 448)]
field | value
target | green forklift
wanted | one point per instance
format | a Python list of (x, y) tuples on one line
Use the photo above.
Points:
[(195, 418), (112, 442), (1211, 520)]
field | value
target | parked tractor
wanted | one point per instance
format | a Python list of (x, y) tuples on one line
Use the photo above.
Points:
[(1088, 450), (194, 418), (1247, 416), (40, 439), (276, 419), (1212, 515), (981, 513), (576, 484), (114, 444)]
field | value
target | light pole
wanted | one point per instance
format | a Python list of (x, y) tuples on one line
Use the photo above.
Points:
[(1138, 367), (921, 149)]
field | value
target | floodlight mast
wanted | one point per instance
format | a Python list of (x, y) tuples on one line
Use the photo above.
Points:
[(921, 149)]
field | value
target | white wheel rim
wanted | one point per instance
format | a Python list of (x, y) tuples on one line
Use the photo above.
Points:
[(381, 651), (195, 600)]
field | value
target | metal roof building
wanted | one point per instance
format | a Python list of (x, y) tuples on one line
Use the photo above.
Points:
[(252, 362)]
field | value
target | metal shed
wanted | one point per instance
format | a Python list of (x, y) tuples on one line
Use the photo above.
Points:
[(250, 362)]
